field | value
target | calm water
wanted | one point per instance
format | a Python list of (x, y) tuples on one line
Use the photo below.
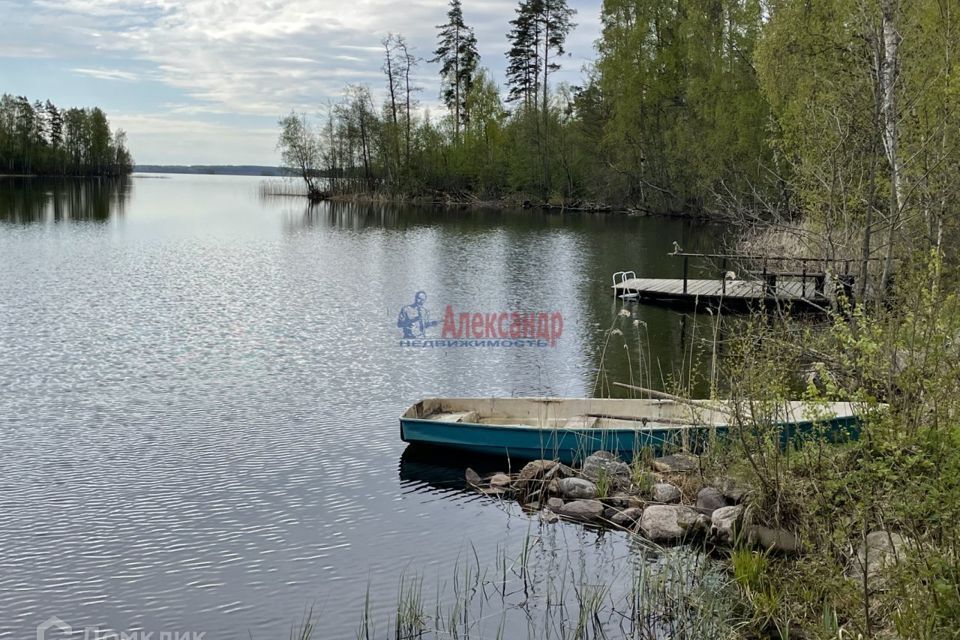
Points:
[(199, 392)]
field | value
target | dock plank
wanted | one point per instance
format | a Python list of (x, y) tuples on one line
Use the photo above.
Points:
[(742, 290)]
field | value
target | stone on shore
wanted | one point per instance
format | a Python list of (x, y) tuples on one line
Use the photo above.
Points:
[(725, 524), (605, 464), (671, 523), (500, 481), (535, 470), (627, 518), (710, 499), (554, 504), (577, 489), (666, 493), (676, 463), (582, 510), (778, 540), (472, 477), (880, 551)]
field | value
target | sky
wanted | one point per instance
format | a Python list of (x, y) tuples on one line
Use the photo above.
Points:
[(205, 81)]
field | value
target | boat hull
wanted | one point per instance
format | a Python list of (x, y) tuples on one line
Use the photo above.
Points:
[(571, 445)]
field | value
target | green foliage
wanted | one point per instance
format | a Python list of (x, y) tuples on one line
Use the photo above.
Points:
[(902, 475), (42, 139)]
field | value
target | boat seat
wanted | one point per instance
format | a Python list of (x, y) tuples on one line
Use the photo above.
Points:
[(456, 416), (580, 422)]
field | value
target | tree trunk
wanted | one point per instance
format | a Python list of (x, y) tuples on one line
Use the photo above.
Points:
[(888, 78)]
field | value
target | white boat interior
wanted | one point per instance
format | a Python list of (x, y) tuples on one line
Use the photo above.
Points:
[(614, 413)]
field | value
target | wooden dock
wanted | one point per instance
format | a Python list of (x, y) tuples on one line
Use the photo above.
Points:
[(742, 291), (812, 282)]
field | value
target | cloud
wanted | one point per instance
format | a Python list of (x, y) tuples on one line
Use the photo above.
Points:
[(106, 74), (234, 58), (158, 138)]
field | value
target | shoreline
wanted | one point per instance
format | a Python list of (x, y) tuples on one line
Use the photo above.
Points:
[(508, 202)]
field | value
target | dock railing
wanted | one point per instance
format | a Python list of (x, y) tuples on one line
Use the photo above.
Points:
[(814, 277)]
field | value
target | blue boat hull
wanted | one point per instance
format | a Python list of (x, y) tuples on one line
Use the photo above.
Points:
[(571, 445)]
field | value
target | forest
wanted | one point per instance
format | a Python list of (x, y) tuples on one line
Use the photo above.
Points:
[(41, 139), (841, 110)]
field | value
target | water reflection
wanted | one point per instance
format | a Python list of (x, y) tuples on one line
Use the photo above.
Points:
[(48, 201), (206, 397)]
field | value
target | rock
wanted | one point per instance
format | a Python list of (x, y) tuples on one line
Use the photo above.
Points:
[(725, 524), (626, 518), (676, 463), (665, 493), (604, 464), (710, 499), (671, 523), (733, 491), (779, 540), (553, 486), (604, 455), (880, 551), (577, 489), (609, 512), (618, 501), (583, 510), (535, 470), (534, 475), (500, 481), (554, 504), (548, 517), (473, 478)]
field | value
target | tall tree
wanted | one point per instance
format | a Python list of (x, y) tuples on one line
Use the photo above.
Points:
[(457, 54), (523, 58)]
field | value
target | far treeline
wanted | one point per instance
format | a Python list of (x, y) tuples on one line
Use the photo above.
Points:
[(846, 108), (42, 139)]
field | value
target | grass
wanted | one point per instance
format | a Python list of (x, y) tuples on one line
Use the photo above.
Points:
[(678, 593)]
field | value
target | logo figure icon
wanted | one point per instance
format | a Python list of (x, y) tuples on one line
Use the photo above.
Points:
[(53, 622), (414, 319)]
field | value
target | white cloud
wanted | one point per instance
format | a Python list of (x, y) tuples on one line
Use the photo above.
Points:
[(106, 74), (245, 58), (164, 139)]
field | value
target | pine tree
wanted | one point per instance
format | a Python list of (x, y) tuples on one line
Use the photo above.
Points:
[(457, 54), (523, 58)]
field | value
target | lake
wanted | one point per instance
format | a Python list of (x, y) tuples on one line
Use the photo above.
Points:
[(200, 390)]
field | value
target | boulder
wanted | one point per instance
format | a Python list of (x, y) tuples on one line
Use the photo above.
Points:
[(778, 540), (676, 463), (534, 475), (626, 518), (577, 489), (880, 551), (710, 499), (725, 524), (619, 501), (605, 464), (554, 504), (500, 481), (472, 477), (583, 510), (671, 523), (536, 470), (548, 517), (733, 491), (665, 493)]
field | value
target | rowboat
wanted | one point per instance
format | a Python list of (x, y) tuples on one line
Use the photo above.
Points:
[(569, 429)]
